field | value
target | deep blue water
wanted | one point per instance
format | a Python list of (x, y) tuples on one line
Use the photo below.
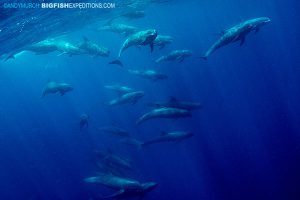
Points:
[(247, 136)]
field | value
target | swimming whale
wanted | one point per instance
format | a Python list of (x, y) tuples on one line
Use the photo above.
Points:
[(123, 29), (83, 121), (176, 55), (115, 131), (175, 103), (237, 33), (131, 97), (176, 136), (120, 89), (39, 48), (113, 160), (164, 113), (93, 49), (68, 48), (127, 188), (148, 74), (136, 14), (54, 87), (42, 47), (162, 40), (141, 38)]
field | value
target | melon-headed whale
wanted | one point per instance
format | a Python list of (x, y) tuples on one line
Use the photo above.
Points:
[(128, 98), (120, 89), (39, 48), (164, 113), (175, 136), (176, 55), (113, 160), (123, 29), (237, 33), (42, 47), (115, 131), (93, 49), (54, 87), (135, 14), (141, 38), (68, 48), (148, 74), (175, 103), (127, 188), (162, 40)]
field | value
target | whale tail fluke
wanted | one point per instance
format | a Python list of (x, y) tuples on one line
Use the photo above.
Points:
[(133, 142)]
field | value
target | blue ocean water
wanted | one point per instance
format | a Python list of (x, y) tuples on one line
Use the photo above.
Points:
[(246, 142)]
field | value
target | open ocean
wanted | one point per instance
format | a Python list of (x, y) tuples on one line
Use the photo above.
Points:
[(65, 115)]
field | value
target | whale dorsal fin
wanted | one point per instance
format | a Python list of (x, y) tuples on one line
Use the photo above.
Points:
[(151, 46), (242, 41), (163, 133)]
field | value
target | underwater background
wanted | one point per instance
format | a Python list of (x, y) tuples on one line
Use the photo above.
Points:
[(246, 142)]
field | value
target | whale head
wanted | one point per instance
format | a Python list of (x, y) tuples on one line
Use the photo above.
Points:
[(65, 87), (92, 180), (262, 21), (150, 35), (183, 112), (137, 95), (187, 52)]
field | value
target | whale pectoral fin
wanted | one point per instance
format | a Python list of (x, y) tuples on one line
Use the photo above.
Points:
[(204, 57), (242, 41), (119, 193), (62, 53), (116, 62), (62, 93), (151, 47), (181, 59)]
